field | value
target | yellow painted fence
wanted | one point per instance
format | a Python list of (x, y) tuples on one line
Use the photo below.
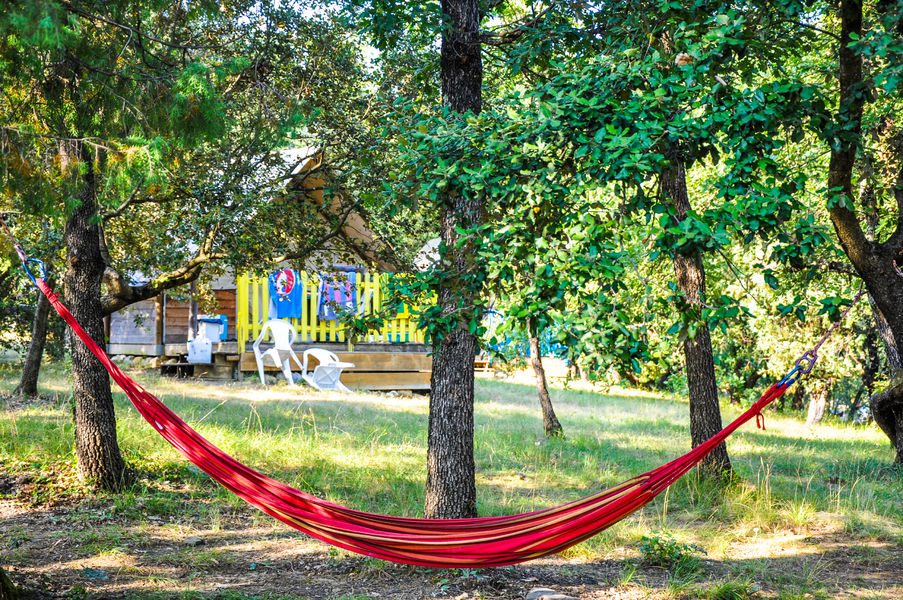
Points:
[(370, 289)]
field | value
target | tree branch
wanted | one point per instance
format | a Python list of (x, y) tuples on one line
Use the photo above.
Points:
[(843, 152), (120, 293), (77, 10)]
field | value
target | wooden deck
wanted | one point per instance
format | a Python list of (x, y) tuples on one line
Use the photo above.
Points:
[(372, 370)]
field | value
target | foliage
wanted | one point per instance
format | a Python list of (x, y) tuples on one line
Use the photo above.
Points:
[(583, 103), (666, 552), (567, 156), (568, 168), (181, 115)]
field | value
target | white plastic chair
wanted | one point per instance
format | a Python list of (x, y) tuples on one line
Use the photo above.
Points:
[(283, 334), (326, 375)]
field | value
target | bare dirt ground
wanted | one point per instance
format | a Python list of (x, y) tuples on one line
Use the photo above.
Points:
[(81, 551)]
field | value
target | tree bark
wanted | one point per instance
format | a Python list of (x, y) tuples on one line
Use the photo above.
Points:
[(99, 459), (550, 423), (887, 409), (817, 404), (7, 590), (877, 263), (451, 474), (705, 413), (31, 369)]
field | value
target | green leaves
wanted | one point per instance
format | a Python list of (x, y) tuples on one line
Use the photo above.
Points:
[(833, 306), (568, 164)]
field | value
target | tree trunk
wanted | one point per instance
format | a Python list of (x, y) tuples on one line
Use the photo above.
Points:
[(550, 422), (877, 263), (99, 459), (7, 590), (817, 404), (887, 409), (705, 413), (886, 406), (888, 340), (28, 384), (450, 484)]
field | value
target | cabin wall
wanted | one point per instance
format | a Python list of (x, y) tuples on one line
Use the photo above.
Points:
[(136, 329), (227, 304), (175, 326), (134, 324), (178, 314)]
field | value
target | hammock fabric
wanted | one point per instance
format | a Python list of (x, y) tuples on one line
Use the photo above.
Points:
[(479, 542)]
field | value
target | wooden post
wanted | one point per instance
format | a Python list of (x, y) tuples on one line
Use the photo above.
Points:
[(192, 312), (158, 321)]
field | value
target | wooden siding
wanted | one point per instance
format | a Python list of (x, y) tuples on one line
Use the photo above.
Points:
[(226, 304), (178, 314), (175, 326), (135, 324)]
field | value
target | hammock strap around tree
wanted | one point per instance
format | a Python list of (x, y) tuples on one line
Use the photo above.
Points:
[(477, 542)]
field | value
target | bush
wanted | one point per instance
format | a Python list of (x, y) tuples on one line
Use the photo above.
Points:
[(666, 552)]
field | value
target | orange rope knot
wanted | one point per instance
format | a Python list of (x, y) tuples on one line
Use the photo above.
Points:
[(760, 420)]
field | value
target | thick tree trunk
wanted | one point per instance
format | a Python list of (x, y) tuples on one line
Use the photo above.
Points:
[(887, 409), (705, 413), (878, 263), (7, 590), (450, 483), (99, 459), (887, 406), (550, 423), (31, 369)]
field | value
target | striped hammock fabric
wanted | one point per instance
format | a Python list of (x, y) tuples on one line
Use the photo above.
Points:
[(479, 542)]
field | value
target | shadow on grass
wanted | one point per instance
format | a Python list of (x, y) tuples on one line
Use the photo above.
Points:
[(125, 560)]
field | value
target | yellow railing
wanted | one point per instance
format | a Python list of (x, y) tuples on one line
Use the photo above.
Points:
[(253, 298)]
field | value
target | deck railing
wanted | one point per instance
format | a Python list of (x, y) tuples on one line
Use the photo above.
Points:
[(370, 291)]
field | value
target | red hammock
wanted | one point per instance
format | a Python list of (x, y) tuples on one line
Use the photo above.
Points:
[(480, 542)]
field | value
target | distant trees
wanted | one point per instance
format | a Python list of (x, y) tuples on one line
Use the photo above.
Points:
[(31, 367)]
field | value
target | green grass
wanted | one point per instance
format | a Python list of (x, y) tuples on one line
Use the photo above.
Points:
[(368, 451)]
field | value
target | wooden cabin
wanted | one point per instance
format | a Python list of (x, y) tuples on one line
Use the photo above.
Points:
[(393, 357), (161, 327)]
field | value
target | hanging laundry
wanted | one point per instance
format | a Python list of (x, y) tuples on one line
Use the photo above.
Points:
[(286, 294), (337, 294)]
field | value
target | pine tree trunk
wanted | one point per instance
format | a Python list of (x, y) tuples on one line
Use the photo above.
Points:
[(705, 413), (7, 590), (550, 422), (31, 369), (99, 459), (450, 484)]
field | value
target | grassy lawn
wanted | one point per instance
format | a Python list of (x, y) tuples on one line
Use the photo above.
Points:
[(815, 512)]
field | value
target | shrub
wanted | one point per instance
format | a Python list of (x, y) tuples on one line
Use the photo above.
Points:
[(666, 552)]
